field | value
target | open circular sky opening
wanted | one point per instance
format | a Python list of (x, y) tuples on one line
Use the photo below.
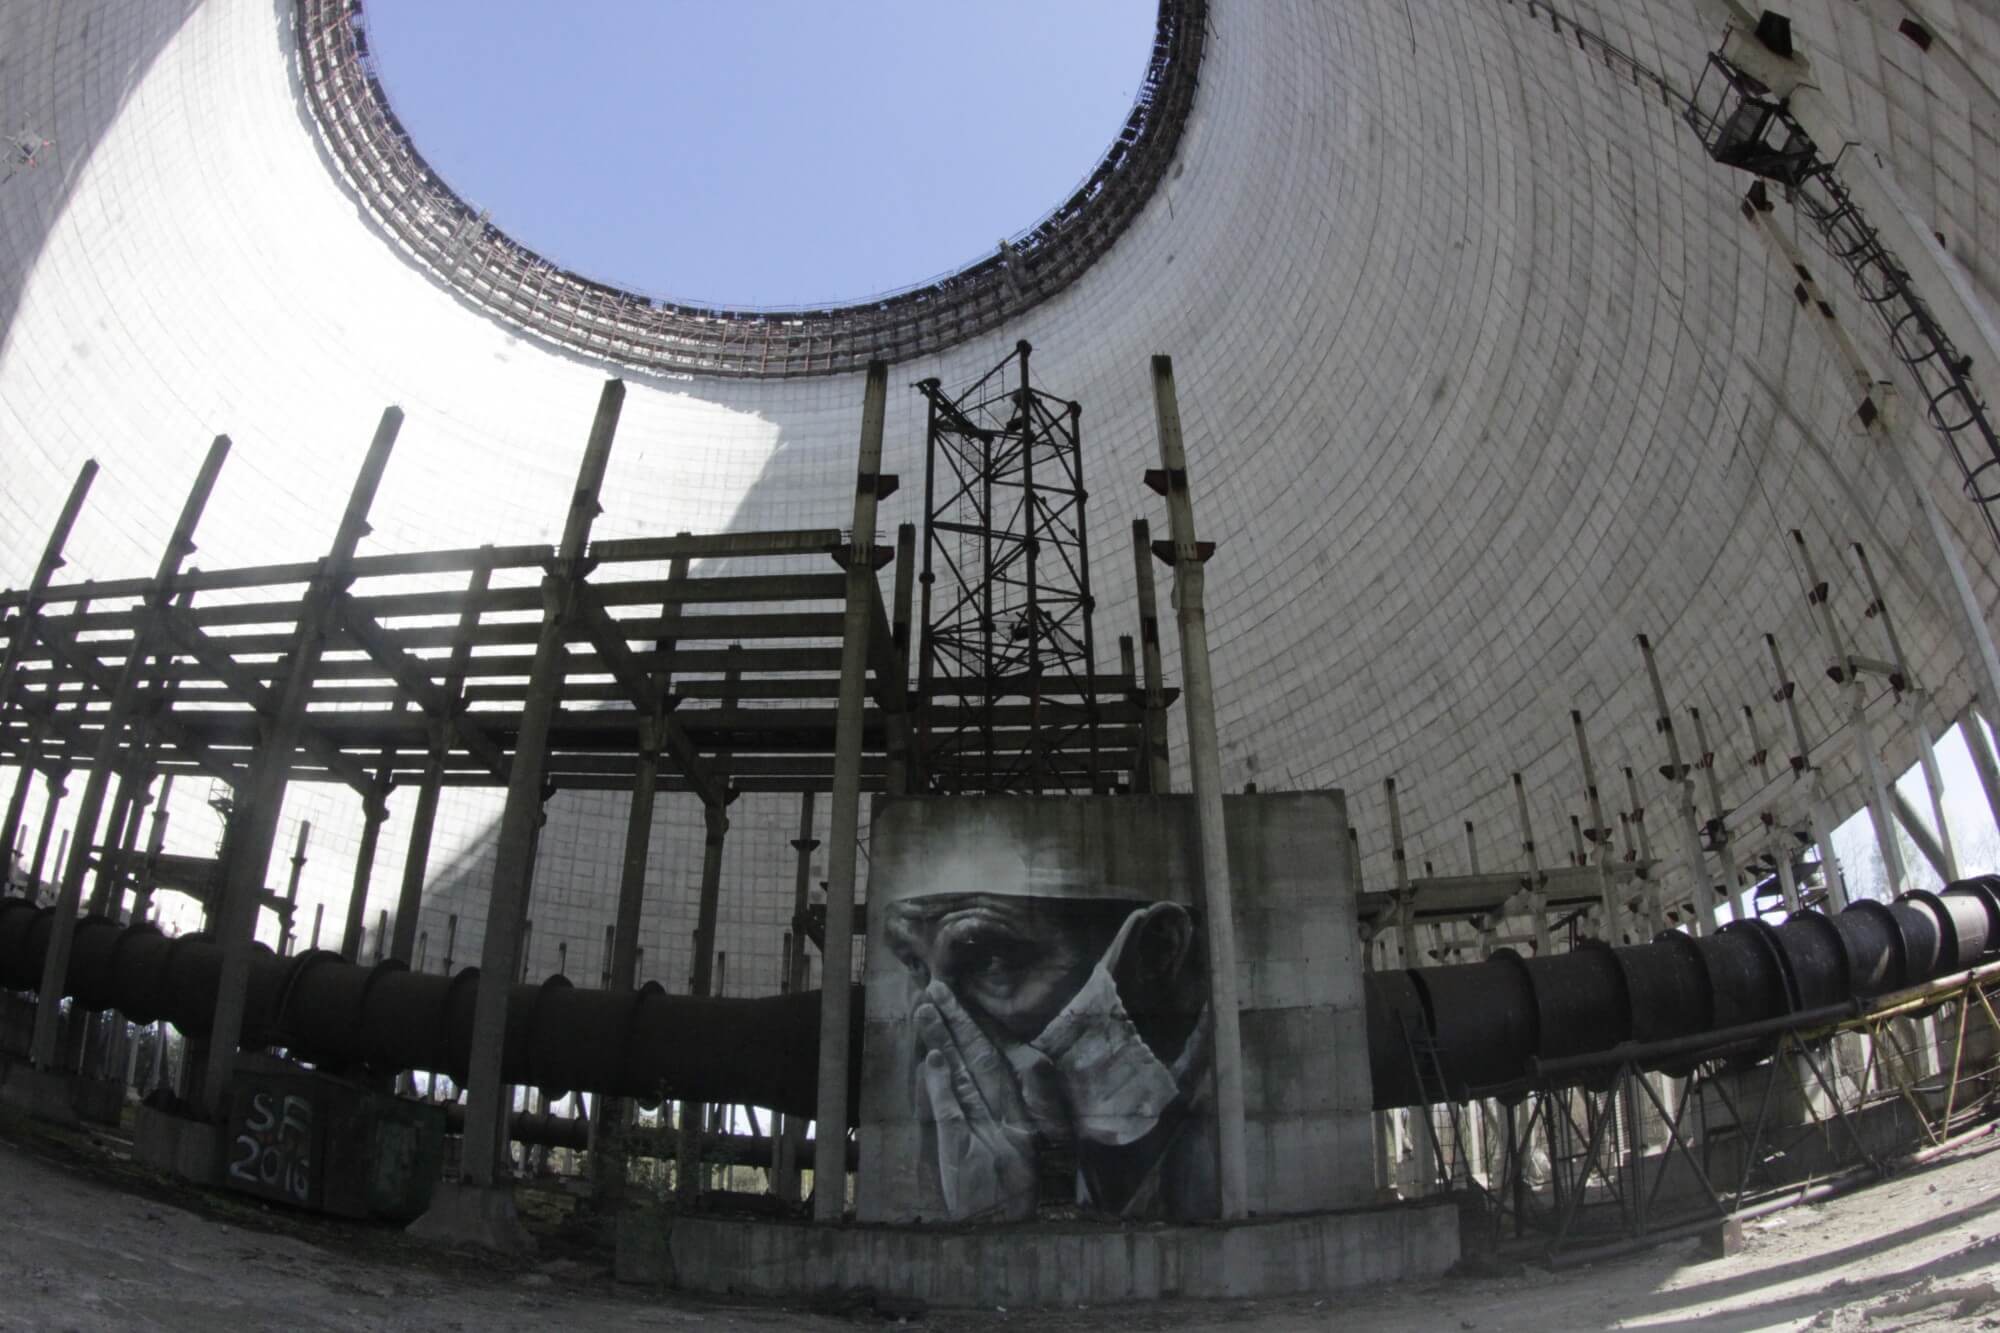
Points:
[(763, 152)]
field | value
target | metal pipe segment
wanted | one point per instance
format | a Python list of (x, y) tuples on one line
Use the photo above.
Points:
[(642, 1043), (1490, 1025), (1486, 1026)]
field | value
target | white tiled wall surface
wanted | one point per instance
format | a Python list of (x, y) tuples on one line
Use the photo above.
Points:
[(1482, 375)]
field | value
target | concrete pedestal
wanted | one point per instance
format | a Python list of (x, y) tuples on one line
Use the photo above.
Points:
[(643, 1247), (190, 1149), (1039, 1265), (1308, 1131), (40, 1093), (480, 1215)]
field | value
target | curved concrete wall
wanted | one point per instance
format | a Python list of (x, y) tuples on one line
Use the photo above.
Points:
[(1481, 369)]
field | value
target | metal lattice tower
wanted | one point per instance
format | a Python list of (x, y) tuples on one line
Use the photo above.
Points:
[(1005, 687)]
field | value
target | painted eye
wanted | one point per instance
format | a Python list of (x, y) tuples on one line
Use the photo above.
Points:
[(989, 956)]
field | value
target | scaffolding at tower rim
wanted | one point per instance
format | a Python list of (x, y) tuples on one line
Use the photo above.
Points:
[(459, 246), (1006, 592), (1743, 125)]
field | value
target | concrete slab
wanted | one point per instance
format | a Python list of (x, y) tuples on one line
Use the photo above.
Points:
[(190, 1149), (1031, 1266), (40, 1093)]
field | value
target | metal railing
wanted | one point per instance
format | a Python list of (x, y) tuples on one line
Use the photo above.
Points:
[(1593, 1155)]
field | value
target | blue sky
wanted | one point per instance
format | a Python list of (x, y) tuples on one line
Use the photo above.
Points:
[(762, 152)]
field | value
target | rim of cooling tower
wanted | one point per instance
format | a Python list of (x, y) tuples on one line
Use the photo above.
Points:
[(460, 248)]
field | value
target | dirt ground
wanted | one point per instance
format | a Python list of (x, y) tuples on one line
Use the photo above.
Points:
[(87, 1242)]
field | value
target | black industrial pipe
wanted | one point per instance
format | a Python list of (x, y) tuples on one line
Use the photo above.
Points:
[(1480, 1028), (1475, 1028), (345, 1016)]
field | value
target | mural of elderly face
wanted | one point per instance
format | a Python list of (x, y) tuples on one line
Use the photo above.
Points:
[(1060, 1035)]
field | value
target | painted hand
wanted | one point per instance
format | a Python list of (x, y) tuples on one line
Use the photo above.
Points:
[(986, 1158)]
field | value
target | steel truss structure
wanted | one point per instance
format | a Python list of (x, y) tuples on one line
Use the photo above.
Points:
[(1602, 1153), (715, 660), (1006, 593), (458, 246)]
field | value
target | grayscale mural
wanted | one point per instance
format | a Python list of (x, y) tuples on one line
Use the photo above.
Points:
[(1061, 1041), (1038, 1041)]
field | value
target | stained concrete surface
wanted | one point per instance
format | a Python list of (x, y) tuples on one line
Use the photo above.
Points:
[(87, 1242)]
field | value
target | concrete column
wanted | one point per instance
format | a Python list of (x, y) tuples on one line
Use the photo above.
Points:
[(1777, 837), (1788, 883), (1408, 952), (1702, 890), (1718, 813), (128, 812), (374, 809), (113, 837), (292, 883), (1599, 835), (479, 1211), (1801, 763), (792, 1142), (1538, 904), (156, 842), (690, 1177), (715, 833), (632, 871), (1154, 732), (1927, 845), (1205, 763), (1656, 916), (715, 819), (1916, 702), (896, 720), (1927, 737), (1422, 1127), (1141, 774), (416, 860), (56, 781), (24, 778), (624, 961), (1488, 925), (926, 580), (1842, 669), (610, 1115), (423, 824), (830, 1147), (104, 1035), (22, 632), (1973, 728), (62, 847), (251, 842), (55, 962)]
